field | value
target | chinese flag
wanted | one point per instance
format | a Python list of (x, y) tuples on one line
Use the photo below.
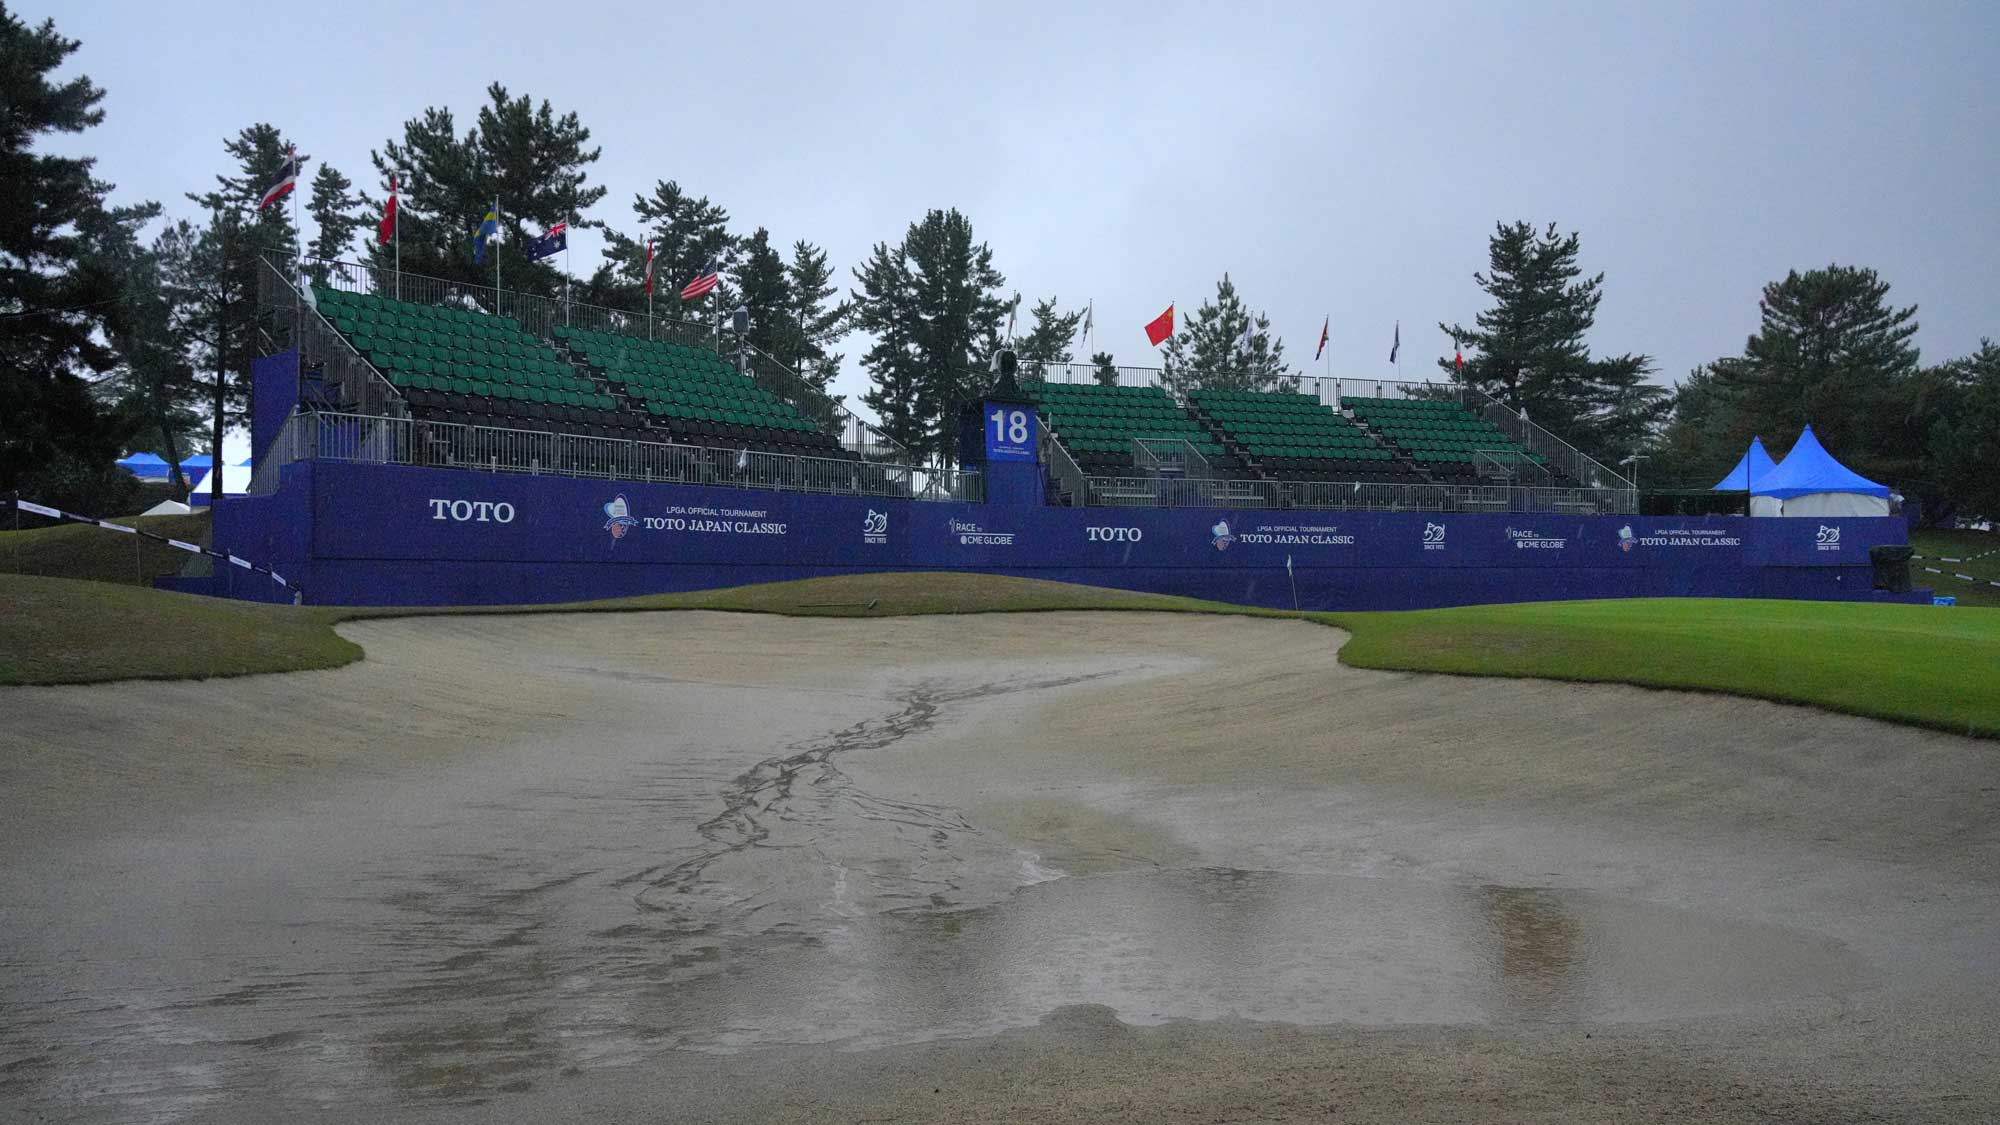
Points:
[(1161, 328)]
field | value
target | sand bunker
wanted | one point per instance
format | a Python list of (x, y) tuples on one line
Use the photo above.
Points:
[(1061, 866)]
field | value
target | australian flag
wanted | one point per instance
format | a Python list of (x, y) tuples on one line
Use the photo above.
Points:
[(556, 241)]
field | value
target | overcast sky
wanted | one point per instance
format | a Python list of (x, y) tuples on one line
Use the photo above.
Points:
[(1342, 160)]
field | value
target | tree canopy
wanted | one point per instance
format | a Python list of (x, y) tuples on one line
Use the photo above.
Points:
[(1211, 350)]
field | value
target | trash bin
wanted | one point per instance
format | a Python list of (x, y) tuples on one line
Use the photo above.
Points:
[(1892, 567)]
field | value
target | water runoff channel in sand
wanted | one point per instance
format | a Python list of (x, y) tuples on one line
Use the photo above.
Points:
[(504, 854)]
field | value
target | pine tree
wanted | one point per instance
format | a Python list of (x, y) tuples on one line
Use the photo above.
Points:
[(1961, 447), (763, 285), (211, 309), (1107, 371), (1208, 352), (886, 306), (152, 382), (1051, 339), (1528, 350), (1830, 351), (336, 213), (258, 153), (54, 298), (534, 163), (934, 305), (688, 233), (815, 325)]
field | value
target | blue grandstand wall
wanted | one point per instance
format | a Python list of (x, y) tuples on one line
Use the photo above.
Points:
[(368, 534)]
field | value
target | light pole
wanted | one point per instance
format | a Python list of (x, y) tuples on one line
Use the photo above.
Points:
[(1634, 462)]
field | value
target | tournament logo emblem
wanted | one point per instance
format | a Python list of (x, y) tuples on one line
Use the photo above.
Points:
[(1433, 536), (875, 528), (619, 518), (1221, 533), (1828, 538), (1625, 539)]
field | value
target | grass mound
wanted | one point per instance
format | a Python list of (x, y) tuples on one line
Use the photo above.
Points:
[(86, 551), (1936, 546), (1911, 664), (61, 631)]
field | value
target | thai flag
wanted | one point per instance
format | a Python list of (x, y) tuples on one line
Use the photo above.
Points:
[(288, 178), (704, 284)]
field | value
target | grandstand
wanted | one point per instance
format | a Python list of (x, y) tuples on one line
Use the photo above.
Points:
[(1292, 437), (1445, 440)]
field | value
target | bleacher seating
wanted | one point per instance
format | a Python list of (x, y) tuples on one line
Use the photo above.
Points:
[(1292, 436), (693, 394), (1099, 424), (461, 365), (1441, 436)]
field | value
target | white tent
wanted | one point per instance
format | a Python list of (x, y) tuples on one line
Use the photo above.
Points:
[(235, 482), (167, 508)]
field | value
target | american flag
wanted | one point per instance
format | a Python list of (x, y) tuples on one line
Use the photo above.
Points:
[(710, 277), (288, 178)]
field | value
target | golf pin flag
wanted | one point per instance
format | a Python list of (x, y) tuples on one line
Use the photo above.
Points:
[(1161, 327)]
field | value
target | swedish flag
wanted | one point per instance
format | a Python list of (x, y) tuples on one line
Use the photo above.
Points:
[(489, 227)]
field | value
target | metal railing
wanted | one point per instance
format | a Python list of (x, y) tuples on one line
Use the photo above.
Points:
[(347, 379), (1359, 496), (326, 436), (1561, 456), (1170, 457), (543, 315), (1062, 466)]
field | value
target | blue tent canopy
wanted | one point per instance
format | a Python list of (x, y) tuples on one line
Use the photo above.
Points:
[(1809, 468), (1756, 467), (145, 466)]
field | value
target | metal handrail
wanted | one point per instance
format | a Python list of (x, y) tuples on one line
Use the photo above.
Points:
[(1371, 496), (376, 439)]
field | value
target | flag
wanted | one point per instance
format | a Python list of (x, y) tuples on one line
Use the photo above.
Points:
[(1247, 343), (1083, 337), (1012, 311), (387, 229), (705, 283), (649, 267), (1457, 356), (1396, 342), (489, 230), (288, 178), (1162, 327), (1324, 325), (554, 242)]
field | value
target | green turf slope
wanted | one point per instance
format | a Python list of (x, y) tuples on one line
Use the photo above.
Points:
[(82, 550), (60, 630), (1978, 554), (1913, 664)]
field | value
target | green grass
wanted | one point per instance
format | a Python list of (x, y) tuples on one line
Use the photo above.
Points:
[(1938, 545), (1911, 664), (64, 631), (79, 550)]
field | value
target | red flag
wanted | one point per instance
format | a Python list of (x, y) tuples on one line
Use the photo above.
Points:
[(649, 267), (388, 228), (1162, 327), (1324, 325), (1457, 356)]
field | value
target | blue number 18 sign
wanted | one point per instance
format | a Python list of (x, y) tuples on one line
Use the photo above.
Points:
[(1010, 433)]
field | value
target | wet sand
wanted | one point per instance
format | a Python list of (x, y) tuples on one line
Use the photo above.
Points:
[(1051, 867)]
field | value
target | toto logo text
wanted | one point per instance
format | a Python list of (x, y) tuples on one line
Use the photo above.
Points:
[(472, 511), (1113, 534)]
